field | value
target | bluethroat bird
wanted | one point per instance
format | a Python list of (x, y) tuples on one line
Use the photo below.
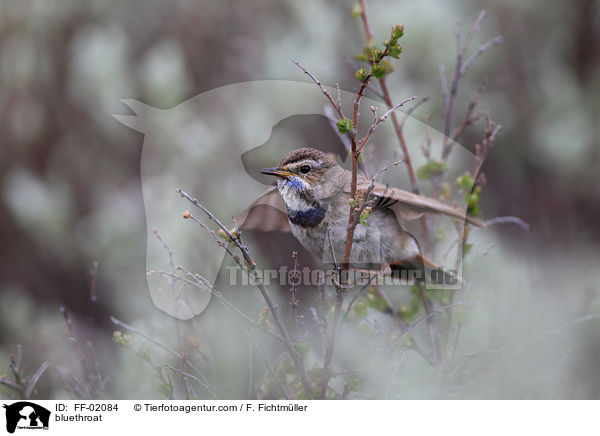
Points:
[(316, 193)]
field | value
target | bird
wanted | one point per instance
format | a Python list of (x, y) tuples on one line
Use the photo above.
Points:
[(315, 191)]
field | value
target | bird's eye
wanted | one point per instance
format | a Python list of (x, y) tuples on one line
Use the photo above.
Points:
[(304, 169)]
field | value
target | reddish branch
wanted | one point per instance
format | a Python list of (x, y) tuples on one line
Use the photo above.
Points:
[(354, 215)]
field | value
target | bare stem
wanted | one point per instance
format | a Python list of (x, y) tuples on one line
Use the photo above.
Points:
[(273, 308), (338, 107)]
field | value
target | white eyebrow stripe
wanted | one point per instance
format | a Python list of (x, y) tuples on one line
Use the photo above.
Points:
[(299, 163)]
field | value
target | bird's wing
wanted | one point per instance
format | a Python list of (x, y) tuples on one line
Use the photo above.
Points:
[(410, 206), (266, 213)]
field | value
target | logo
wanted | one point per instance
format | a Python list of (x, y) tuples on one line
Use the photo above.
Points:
[(213, 146), (26, 415)]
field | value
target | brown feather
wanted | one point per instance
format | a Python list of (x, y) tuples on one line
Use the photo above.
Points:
[(410, 206), (266, 213)]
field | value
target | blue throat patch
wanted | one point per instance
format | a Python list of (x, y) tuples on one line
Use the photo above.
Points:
[(306, 218), (294, 184)]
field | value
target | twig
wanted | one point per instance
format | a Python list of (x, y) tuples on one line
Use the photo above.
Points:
[(193, 377), (276, 379), (461, 48), (93, 296), (273, 308), (217, 294), (353, 215), (379, 120), (365, 20), (91, 386), (571, 323), (73, 338), (444, 84), (397, 126), (480, 50), (335, 264), (145, 336), (469, 117), (400, 134), (293, 293), (461, 69), (508, 219), (337, 107), (358, 294), (425, 317), (11, 384), (411, 109), (360, 209), (156, 342), (481, 152), (180, 341), (478, 266), (35, 378), (431, 326)]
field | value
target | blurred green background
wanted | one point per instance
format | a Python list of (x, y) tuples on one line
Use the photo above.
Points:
[(70, 189)]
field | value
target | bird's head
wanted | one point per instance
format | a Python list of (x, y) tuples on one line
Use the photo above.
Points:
[(303, 175)]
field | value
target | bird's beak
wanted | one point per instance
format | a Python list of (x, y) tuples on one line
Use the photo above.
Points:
[(277, 172)]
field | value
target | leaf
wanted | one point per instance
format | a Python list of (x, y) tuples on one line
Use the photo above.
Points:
[(345, 125), (361, 57), (165, 389), (378, 71), (465, 182), (395, 51), (361, 75), (302, 348), (430, 169)]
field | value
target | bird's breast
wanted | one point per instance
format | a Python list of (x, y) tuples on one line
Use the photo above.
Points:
[(310, 217)]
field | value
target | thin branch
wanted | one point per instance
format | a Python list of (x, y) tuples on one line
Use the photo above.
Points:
[(444, 84), (573, 322), (93, 296), (474, 28), (193, 377), (397, 126), (35, 378), (145, 336), (335, 264), (11, 384), (360, 209), (273, 308), (460, 70), (358, 294), (365, 19), (219, 296), (322, 88), (468, 119), (508, 219), (480, 50), (478, 266), (431, 325), (156, 342), (400, 134), (275, 378), (411, 109), (379, 120), (433, 312), (293, 292)]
